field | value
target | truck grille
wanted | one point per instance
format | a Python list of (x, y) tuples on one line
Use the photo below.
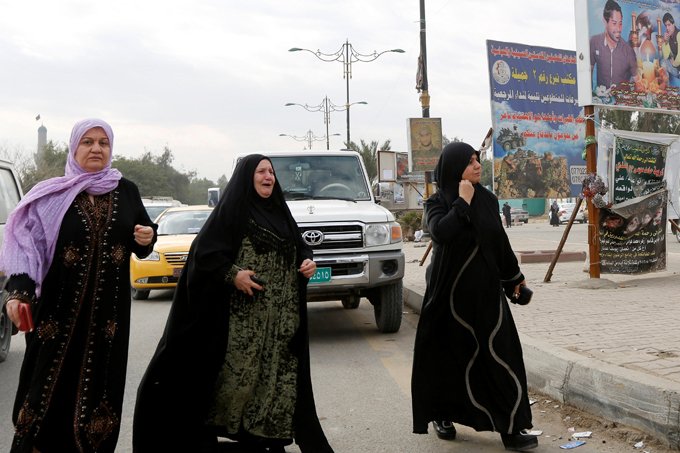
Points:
[(176, 258), (333, 236), (346, 269)]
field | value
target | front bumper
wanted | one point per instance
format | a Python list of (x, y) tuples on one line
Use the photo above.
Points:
[(356, 273)]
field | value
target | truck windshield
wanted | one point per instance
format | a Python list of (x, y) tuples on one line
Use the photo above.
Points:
[(321, 177)]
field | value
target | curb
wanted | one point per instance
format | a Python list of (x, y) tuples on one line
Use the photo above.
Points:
[(647, 403)]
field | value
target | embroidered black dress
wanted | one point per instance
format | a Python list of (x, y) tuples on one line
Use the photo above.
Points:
[(467, 365), (72, 378)]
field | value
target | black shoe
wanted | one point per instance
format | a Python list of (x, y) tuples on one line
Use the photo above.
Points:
[(519, 441), (445, 430)]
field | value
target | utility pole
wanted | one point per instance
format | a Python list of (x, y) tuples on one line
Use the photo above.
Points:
[(421, 83)]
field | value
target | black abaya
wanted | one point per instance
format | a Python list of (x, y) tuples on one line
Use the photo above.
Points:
[(468, 365)]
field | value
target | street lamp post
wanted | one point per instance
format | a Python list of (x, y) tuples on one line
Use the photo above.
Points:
[(326, 106), (347, 54), (309, 137)]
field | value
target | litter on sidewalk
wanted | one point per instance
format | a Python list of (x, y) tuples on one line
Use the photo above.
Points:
[(572, 444)]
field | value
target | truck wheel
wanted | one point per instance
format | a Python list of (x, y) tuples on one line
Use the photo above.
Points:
[(388, 309), (351, 302), (5, 335), (140, 294)]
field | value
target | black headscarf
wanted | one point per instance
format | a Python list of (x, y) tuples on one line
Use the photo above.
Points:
[(239, 202), (452, 163)]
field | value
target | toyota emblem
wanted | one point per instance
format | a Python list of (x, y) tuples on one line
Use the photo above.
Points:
[(312, 237)]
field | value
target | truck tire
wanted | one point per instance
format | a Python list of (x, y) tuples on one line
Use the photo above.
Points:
[(351, 302), (388, 308), (140, 294), (5, 335)]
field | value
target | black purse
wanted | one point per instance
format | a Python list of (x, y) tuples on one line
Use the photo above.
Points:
[(524, 296)]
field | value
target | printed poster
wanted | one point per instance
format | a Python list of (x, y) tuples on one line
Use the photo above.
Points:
[(633, 229), (538, 127), (425, 142), (633, 235)]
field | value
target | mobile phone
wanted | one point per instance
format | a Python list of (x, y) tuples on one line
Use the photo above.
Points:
[(257, 280), (25, 317)]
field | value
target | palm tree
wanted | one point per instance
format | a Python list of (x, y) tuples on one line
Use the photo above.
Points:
[(369, 153)]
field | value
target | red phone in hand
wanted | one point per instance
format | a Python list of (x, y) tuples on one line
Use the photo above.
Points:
[(25, 318)]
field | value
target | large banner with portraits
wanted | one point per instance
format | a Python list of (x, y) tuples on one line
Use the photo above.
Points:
[(538, 127), (628, 53)]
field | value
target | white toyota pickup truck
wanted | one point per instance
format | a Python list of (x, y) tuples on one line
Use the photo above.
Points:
[(357, 243)]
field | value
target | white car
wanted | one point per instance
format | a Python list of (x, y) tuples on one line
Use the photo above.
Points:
[(567, 208), (10, 194)]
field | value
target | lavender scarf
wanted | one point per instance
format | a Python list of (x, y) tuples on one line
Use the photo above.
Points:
[(32, 228)]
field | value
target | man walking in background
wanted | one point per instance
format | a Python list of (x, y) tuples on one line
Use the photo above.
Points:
[(507, 215)]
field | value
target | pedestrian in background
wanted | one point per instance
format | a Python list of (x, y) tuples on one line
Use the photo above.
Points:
[(468, 366), (507, 214), (554, 214), (67, 251), (234, 358)]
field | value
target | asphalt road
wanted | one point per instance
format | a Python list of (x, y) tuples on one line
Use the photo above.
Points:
[(361, 382)]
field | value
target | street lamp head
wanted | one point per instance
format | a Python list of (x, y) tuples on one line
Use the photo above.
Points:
[(283, 135), (288, 104), (393, 50), (362, 102), (297, 49)]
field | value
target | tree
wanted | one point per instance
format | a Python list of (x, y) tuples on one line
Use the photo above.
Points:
[(155, 176), (52, 163), (369, 153), (446, 141)]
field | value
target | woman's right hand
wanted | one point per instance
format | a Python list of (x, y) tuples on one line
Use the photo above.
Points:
[(243, 282), (466, 190), (12, 308)]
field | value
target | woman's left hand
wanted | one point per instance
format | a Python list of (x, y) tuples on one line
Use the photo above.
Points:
[(143, 235), (307, 268), (515, 294)]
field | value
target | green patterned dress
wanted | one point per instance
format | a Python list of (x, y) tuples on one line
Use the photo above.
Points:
[(257, 386)]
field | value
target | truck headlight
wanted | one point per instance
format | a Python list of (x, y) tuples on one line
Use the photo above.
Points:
[(377, 234), (153, 256)]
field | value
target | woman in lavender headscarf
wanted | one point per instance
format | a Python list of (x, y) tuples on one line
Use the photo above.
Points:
[(66, 251)]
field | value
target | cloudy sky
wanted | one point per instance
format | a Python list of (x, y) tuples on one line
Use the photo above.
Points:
[(209, 78)]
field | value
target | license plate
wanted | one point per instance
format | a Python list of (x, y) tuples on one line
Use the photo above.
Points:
[(322, 275), (176, 272)]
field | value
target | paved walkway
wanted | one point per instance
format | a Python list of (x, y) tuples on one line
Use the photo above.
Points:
[(610, 345)]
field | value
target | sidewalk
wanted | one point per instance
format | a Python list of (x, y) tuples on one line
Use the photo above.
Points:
[(610, 346)]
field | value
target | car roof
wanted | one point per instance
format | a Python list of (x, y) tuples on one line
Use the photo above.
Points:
[(197, 207), (298, 153)]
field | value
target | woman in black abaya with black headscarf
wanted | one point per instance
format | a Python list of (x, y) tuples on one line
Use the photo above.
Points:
[(467, 365), (234, 358)]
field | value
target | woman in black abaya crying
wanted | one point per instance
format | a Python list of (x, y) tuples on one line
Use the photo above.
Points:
[(234, 358), (468, 366)]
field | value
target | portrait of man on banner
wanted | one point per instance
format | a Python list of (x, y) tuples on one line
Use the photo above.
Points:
[(425, 140), (632, 53)]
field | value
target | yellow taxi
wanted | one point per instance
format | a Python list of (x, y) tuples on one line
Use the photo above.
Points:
[(177, 228)]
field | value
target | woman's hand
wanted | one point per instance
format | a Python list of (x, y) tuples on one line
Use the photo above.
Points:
[(307, 268), (143, 235), (12, 308), (515, 293), (244, 283), (466, 190)]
